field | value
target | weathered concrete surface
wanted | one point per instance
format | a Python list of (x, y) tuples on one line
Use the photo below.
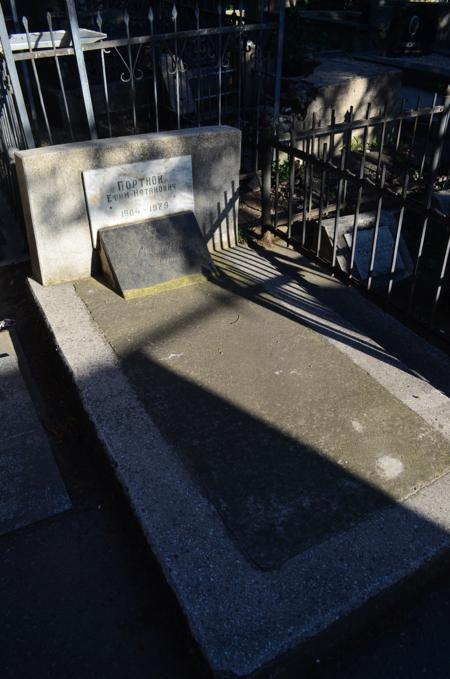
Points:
[(244, 616), (289, 440), (340, 83), (31, 488), (54, 202)]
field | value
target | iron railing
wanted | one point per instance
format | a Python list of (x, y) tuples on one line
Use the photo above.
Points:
[(173, 66), (365, 197)]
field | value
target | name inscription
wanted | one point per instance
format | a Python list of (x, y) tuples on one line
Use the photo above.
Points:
[(130, 193)]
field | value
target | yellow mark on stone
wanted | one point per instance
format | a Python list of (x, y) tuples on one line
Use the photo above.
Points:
[(173, 284)]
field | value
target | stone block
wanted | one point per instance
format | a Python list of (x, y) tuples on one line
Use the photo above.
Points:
[(54, 201), (155, 255), (339, 83)]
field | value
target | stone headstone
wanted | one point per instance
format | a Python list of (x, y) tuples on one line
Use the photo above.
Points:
[(54, 199), (366, 229), (125, 194), (154, 255)]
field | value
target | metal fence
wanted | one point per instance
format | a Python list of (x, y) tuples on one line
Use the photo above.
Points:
[(367, 197), (108, 72)]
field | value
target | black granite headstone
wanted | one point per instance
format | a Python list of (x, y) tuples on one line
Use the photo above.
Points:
[(155, 255)]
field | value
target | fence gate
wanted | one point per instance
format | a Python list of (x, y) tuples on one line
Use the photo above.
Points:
[(366, 197), (86, 71)]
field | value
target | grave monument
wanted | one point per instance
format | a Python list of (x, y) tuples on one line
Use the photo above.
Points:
[(147, 207)]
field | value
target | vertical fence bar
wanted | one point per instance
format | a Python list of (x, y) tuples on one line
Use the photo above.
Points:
[(25, 71), (438, 292), (239, 66), (60, 78), (376, 228), (266, 187), (383, 134), (219, 72), (279, 65), (400, 126), (277, 184), (443, 124), (151, 18), (330, 161), (348, 147), (338, 206), (291, 181), (199, 69), (427, 139), (359, 195), (321, 197), (413, 136), (126, 20), (305, 192), (37, 81), (397, 235), (15, 82), (76, 42), (258, 69), (105, 81), (177, 66)]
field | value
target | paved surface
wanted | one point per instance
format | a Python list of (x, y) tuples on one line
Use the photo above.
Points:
[(95, 604), (81, 596), (31, 488), (303, 596), (13, 245)]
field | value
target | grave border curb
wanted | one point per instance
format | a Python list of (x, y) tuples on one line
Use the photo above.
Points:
[(237, 636)]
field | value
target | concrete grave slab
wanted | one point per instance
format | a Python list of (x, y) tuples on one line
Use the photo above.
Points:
[(155, 255), (250, 592), (31, 488), (54, 200), (364, 240)]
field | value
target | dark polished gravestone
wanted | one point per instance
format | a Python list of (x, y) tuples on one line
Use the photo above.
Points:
[(148, 257)]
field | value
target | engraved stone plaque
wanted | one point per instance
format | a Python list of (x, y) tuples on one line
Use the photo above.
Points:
[(125, 194), (154, 255)]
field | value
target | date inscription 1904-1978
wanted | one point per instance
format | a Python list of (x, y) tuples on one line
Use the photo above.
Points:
[(128, 193)]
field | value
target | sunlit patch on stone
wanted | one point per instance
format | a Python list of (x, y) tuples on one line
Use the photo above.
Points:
[(389, 467)]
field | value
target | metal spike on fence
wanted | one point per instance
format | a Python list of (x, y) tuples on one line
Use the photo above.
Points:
[(60, 77), (37, 81), (174, 13), (151, 18)]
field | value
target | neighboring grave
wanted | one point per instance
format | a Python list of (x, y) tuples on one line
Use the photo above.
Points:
[(340, 83), (364, 240), (54, 200)]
